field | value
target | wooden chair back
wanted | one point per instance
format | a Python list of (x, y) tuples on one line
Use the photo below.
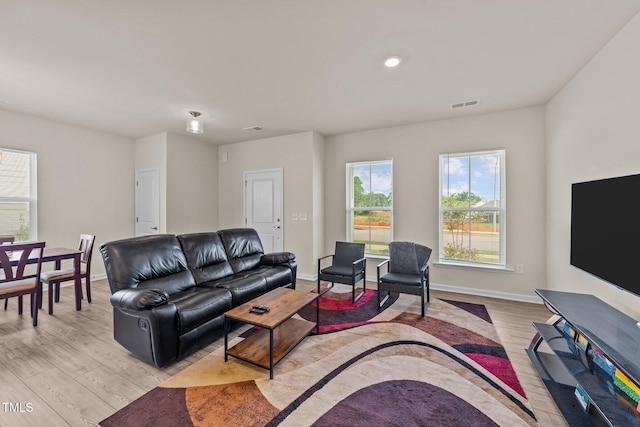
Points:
[(7, 239), (86, 246), (14, 259)]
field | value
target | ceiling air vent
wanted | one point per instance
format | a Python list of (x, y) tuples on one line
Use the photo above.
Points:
[(465, 104), (252, 128)]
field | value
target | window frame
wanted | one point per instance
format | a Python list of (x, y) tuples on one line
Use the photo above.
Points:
[(501, 210), (32, 199), (351, 209)]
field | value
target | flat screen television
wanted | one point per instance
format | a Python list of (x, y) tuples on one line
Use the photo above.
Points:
[(605, 230)]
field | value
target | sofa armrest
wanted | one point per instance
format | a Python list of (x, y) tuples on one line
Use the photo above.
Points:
[(277, 258), (139, 299)]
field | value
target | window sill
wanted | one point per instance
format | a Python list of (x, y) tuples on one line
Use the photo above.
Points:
[(482, 267), (375, 257)]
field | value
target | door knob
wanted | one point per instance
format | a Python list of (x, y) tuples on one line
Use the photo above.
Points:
[(154, 228)]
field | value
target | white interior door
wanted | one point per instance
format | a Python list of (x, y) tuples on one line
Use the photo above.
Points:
[(147, 202), (264, 206)]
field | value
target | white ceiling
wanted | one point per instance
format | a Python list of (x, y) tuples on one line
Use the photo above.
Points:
[(135, 67)]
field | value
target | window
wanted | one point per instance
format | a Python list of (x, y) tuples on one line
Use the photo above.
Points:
[(370, 205), (472, 208), (18, 213)]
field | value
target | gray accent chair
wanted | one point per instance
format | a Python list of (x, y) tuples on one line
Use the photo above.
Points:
[(407, 272), (348, 266)]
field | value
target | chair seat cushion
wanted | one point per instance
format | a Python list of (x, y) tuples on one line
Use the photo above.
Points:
[(243, 286), (276, 276), (404, 279), (17, 285), (339, 270), (59, 275)]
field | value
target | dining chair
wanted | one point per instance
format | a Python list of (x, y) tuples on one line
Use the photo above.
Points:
[(4, 240), (18, 280), (53, 278)]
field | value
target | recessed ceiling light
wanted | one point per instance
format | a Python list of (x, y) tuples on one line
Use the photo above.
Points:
[(392, 62)]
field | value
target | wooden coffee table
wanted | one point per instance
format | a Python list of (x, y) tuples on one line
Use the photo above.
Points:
[(279, 332)]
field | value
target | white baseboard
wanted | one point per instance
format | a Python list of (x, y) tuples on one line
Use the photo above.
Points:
[(486, 293), (93, 277), (458, 290), (99, 276), (309, 277)]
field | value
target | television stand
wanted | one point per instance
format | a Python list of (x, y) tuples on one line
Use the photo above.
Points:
[(589, 342)]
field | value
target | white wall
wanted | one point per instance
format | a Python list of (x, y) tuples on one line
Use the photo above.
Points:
[(295, 154), (593, 132), (188, 187), (415, 150), (192, 185), (85, 180)]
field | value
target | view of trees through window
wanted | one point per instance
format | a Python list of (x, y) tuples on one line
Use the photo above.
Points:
[(371, 205), (472, 207), (17, 194)]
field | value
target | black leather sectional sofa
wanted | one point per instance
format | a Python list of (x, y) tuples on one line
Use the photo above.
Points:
[(169, 293)]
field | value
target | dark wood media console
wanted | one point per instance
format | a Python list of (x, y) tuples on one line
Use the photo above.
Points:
[(603, 331)]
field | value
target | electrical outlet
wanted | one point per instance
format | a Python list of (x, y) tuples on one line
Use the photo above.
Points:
[(294, 216), (519, 268), (302, 216)]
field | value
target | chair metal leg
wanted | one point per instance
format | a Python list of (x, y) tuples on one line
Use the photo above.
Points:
[(355, 297), (384, 300)]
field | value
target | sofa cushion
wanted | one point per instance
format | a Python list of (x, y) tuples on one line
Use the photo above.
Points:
[(199, 305), (243, 247), (155, 261), (276, 276), (243, 287), (206, 256)]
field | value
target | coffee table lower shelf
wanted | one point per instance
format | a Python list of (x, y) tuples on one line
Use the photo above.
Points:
[(267, 347)]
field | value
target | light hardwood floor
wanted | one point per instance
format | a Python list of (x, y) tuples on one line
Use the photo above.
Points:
[(70, 371)]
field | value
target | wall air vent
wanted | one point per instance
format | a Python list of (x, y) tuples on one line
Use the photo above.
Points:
[(465, 104), (252, 128)]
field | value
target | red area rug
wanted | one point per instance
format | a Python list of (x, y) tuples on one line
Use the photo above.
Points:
[(366, 367)]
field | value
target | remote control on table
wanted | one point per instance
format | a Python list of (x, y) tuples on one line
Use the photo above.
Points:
[(257, 310), (262, 307)]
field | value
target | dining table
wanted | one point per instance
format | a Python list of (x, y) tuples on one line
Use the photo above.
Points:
[(57, 255)]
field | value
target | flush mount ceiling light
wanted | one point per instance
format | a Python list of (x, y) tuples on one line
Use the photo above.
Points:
[(392, 61), (194, 123)]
